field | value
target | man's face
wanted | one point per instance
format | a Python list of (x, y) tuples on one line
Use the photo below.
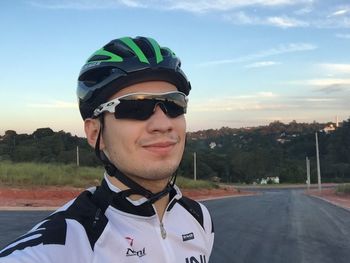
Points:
[(148, 150)]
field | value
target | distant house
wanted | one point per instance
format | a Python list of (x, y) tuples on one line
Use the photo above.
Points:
[(282, 141), (329, 128), (212, 145), (273, 180)]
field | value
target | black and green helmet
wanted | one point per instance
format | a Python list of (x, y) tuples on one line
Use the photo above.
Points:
[(124, 62)]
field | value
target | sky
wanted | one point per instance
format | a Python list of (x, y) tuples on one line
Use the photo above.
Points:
[(250, 62)]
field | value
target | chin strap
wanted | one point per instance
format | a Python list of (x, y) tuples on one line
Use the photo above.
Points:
[(135, 188)]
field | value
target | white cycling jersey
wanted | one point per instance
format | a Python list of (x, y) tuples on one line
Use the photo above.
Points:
[(103, 225)]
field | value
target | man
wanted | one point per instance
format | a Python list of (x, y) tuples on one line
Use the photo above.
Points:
[(132, 96)]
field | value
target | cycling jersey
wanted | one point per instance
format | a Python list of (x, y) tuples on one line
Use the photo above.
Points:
[(103, 225)]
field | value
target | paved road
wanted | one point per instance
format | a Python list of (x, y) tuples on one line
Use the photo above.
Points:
[(16, 223), (280, 226), (277, 226)]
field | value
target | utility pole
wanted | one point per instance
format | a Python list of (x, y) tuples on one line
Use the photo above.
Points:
[(195, 166), (77, 155), (308, 173), (318, 165)]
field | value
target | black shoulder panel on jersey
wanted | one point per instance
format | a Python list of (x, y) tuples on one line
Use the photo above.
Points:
[(193, 208), (52, 230), (89, 215)]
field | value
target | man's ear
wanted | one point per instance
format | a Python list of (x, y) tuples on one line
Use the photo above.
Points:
[(92, 128)]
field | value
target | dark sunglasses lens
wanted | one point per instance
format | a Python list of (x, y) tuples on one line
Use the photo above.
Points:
[(134, 109), (144, 108), (172, 109)]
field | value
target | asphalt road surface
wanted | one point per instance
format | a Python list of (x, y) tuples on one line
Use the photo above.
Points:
[(16, 223), (276, 226), (280, 226)]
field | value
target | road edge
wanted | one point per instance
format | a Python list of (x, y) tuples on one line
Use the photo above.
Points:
[(329, 201)]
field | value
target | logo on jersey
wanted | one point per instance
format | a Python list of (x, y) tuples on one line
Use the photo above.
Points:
[(196, 260), (186, 237), (130, 240), (134, 252)]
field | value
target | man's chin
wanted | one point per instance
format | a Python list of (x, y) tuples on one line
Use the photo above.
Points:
[(158, 173)]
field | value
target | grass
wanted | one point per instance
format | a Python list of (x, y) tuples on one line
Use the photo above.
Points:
[(343, 189), (184, 182), (30, 174), (39, 174)]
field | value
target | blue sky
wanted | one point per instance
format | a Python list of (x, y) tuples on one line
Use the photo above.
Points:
[(250, 62)]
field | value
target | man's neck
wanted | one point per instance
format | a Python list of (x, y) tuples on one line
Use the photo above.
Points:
[(160, 205)]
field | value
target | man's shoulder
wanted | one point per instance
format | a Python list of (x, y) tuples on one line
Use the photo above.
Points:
[(196, 209), (76, 220)]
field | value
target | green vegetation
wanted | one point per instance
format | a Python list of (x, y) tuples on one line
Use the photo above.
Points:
[(343, 189), (38, 174), (225, 155), (278, 149), (30, 174), (184, 182)]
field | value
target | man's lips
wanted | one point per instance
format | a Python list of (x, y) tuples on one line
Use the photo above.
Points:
[(160, 147), (160, 144)]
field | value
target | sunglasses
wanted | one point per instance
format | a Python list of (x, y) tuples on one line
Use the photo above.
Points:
[(141, 106)]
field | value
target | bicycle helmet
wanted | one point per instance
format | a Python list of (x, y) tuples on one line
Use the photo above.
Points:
[(124, 62)]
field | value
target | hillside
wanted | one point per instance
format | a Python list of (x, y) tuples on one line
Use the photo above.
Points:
[(242, 155)]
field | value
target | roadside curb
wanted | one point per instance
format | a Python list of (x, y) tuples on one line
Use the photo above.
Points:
[(330, 202), (222, 197), (53, 208)]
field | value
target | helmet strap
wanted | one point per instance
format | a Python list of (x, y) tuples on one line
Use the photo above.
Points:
[(136, 188)]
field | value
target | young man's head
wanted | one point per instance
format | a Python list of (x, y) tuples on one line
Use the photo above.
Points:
[(132, 97)]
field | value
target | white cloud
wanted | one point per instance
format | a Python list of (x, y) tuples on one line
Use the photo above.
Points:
[(87, 4), (266, 105), (327, 82), (262, 64), (319, 99), (340, 12), (281, 49), (54, 105), (265, 100), (285, 22), (242, 18), (199, 6), (221, 106), (267, 94), (327, 85), (336, 68), (307, 12)]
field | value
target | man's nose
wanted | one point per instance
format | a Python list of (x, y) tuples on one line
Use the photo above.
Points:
[(159, 121)]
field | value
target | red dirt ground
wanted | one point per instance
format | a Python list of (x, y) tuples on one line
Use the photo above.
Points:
[(331, 196), (52, 197), (57, 196)]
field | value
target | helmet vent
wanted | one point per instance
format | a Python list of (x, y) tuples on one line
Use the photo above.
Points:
[(146, 48), (96, 75), (99, 57), (118, 48)]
